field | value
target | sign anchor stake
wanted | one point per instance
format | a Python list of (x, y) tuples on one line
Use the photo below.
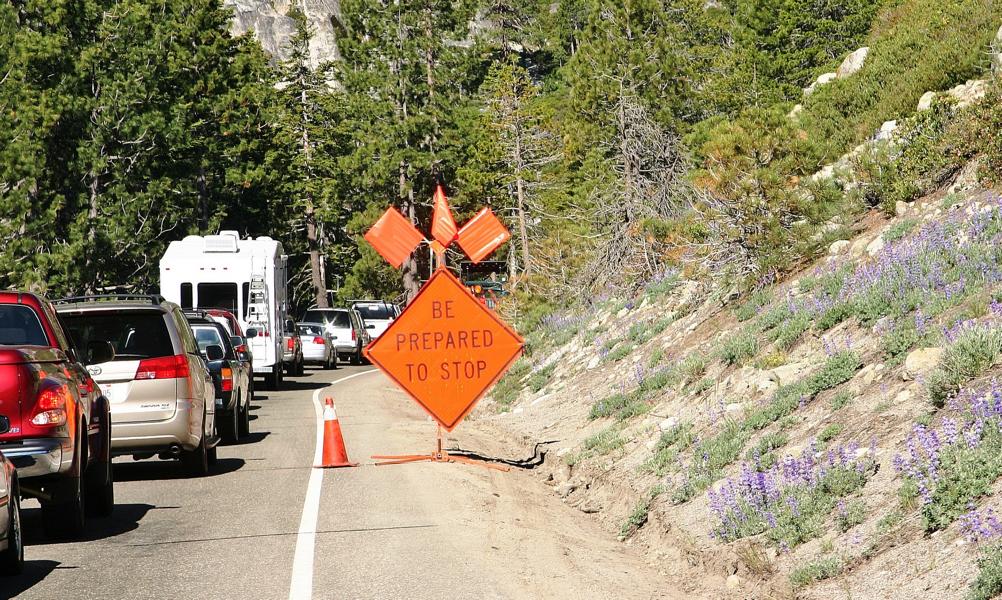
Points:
[(439, 455)]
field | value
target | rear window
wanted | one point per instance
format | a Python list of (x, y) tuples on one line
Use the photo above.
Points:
[(338, 317), (134, 335), (374, 311), (207, 335), (218, 295), (19, 326), (310, 330)]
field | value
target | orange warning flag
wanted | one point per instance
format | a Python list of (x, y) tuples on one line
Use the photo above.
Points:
[(482, 235), (443, 226), (446, 349), (394, 237)]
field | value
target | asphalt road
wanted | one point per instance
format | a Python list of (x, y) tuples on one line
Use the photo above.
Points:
[(399, 531)]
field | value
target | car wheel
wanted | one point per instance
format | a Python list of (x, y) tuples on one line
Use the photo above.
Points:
[(301, 367), (245, 418), (230, 426), (65, 520), (101, 484), (12, 559), (196, 462), (356, 357), (274, 379)]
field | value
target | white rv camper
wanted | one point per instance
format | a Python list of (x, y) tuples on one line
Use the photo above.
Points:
[(246, 277)]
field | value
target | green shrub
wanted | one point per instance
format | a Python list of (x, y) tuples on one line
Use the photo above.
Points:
[(819, 570), (755, 302), (900, 229), (622, 351), (849, 514), (670, 445), (839, 368), (788, 334), (702, 385), (638, 517), (989, 581), (964, 475), (775, 316), (655, 358), (541, 377), (768, 443), (739, 348), (841, 399), (974, 350), (709, 457), (784, 401), (507, 389), (692, 367), (604, 442), (621, 406), (830, 432)]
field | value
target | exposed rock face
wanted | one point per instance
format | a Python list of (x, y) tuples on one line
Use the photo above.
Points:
[(921, 361), (272, 26)]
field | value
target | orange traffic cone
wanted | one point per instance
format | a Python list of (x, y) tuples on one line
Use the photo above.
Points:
[(334, 453)]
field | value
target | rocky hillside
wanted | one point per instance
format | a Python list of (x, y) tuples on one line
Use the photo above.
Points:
[(272, 26), (834, 435)]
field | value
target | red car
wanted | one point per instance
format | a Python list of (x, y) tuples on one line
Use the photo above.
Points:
[(55, 425)]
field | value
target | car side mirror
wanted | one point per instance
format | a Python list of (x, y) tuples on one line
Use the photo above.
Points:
[(99, 351), (370, 326), (214, 352), (251, 332)]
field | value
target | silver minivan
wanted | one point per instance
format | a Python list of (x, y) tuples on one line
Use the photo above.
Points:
[(158, 384)]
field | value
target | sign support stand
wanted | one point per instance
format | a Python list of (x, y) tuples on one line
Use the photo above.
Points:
[(438, 455)]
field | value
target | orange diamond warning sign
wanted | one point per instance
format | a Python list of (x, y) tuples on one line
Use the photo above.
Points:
[(446, 349)]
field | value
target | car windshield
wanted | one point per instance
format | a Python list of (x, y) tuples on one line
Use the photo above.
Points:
[(19, 326), (339, 318), (134, 335), (374, 311), (310, 330), (207, 335)]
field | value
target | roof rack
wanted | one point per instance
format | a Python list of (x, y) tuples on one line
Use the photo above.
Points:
[(154, 299)]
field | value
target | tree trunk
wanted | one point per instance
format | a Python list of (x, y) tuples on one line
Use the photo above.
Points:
[(523, 230), (316, 266), (91, 233), (203, 200), (409, 272)]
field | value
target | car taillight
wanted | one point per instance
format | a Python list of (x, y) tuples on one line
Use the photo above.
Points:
[(227, 376), (353, 335), (164, 367), (50, 408), (290, 344), (318, 340), (265, 333), (240, 348)]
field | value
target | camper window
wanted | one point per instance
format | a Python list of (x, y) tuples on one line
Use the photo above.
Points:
[(186, 301), (218, 295), (246, 295)]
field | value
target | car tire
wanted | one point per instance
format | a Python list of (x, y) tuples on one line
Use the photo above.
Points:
[(101, 478), (274, 379), (12, 559), (230, 427), (244, 423), (65, 520), (356, 357), (196, 462), (301, 367)]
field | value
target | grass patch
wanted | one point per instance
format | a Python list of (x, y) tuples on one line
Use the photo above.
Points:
[(900, 229), (790, 331), (819, 570), (620, 406), (988, 583), (670, 446), (655, 358), (830, 432), (541, 377), (753, 305), (622, 351), (709, 457), (506, 391), (841, 400), (739, 348), (702, 385), (638, 517), (767, 444), (604, 442), (776, 358), (849, 514)]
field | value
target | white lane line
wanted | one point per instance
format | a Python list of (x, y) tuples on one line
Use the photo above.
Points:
[(302, 563)]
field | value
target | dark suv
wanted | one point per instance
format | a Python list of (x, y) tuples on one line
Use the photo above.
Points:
[(230, 375)]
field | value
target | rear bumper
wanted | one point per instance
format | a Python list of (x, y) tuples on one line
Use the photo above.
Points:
[(314, 355), (37, 457), (153, 436), (345, 349)]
